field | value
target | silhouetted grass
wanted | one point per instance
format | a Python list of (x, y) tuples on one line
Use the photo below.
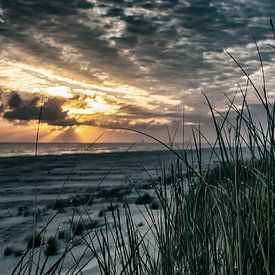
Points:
[(213, 219)]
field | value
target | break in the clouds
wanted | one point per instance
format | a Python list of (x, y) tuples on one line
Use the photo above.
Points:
[(128, 63)]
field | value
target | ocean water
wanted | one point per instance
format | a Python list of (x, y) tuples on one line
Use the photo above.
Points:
[(28, 149)]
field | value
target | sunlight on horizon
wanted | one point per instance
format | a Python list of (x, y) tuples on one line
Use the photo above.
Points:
[(81, 103)]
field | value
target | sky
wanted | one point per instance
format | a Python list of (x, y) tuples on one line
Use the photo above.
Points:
[(101, 66)]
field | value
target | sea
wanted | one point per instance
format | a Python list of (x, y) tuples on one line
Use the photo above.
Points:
[(29, 149)]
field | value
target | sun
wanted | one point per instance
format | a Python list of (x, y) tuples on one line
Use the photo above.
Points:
[(91, 106)]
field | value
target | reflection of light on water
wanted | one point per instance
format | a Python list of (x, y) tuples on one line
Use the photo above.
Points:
[(27, 149)]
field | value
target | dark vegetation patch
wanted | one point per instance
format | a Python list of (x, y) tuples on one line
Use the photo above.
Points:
[(109, 208), (144, 199), (18, 253), (78, 228), (33, 241), (8, 251), (222, 173), (88, 199), (112, 207), (62, 235), (91, 224), (26, 211), (51, 247), (149, 185), (74, 201), (116, 192), (101, 212), (140, 224), (155, 205)]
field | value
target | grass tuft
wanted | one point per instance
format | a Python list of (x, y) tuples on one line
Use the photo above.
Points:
[(144, 199), (33, 241), (8, 251), (51, 247)]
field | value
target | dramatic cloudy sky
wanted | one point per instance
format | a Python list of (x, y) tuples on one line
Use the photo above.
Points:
[(100, 65)]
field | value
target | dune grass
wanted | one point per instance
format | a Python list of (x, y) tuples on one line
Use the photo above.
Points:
[(206, 219)]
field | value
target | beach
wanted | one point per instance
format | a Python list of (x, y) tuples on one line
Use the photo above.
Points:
[(73, 180)]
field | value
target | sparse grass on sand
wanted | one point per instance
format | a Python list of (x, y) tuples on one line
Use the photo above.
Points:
[(211, 220)]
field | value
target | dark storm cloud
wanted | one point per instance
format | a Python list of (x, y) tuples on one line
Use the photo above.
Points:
[(15, 100), (131, 111), (137, 111), (150, 125), (167, 38), (28, 109), (31, 24)]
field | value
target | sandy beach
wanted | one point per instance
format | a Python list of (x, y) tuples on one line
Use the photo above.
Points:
[(105, 179)]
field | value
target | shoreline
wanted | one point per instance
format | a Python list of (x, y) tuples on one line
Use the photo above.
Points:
[(82, 154), (110, 153)]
